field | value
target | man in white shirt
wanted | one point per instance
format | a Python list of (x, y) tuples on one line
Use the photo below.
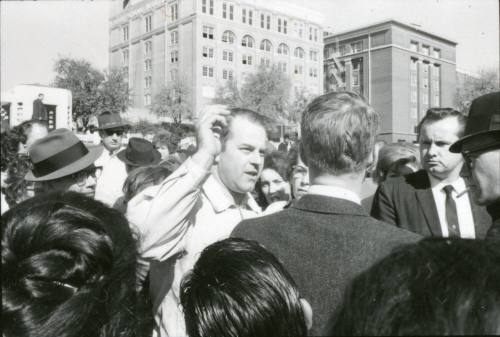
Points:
[(434, 201), (199, 204), (112, 170)]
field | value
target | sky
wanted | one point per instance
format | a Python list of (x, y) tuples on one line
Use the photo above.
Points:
[(33, 34)]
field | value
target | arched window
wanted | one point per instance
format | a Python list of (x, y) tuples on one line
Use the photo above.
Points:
[(247, 41), (299, 52), (266, 45), (283, 49), (228, 37)]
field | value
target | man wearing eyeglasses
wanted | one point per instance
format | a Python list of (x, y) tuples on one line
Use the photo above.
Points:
[(61, 162), (434, 201), (110, 183), (480, 147)]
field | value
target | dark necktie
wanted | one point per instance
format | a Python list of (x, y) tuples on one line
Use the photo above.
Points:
[(451, 213)]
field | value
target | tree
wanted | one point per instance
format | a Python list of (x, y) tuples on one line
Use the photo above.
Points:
[(470, 87), (174, 101), (93, 91), (301, 99), (229, 94)]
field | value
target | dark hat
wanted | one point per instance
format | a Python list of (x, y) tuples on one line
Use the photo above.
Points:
[(483, 125), (110, 120), (59, 154), (139, 152)]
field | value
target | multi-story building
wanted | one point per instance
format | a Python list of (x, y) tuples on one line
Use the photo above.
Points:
[(400, 69), (207, 42)]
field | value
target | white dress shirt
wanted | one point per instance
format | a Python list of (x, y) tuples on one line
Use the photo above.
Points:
[(335, 192), (464, 209), (190, 210), (113, 172)]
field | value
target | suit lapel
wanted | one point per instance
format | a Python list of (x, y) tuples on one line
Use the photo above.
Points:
[(429, 209)]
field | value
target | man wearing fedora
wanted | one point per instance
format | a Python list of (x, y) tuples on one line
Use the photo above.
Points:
[(61, 162), (480, 147), (139, 152), (113, 170)]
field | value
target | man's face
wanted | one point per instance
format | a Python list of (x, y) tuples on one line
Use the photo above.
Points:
[(435, 140), (112, 138), (300, 179), (274, 187), (241, 160), (40, 97), (36, 132), (485, 169), (83, 182)]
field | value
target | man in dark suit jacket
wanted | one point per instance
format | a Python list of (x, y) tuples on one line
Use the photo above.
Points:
[(420, 201), (327, 238), (39, 110)]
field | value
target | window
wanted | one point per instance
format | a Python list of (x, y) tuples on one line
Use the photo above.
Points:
[(299, 29), (174, 11), (265, 61), (282, 66), (147, 47), (247, 59), (227, 74), (268, 26), (414, 46), (231, 12), (357, 46), (247, 41), (203, 6), (313, 55), (284, 27), (224, 10), (208, 32), (279, 25), (224, 74), (147, 81), (207, 71), (262, 21), (436, 53), (266, 45), (425, 50), (342, 50), (250, 17), (148, 20), (147, 99), (173, 74), (147, 65), (436, 82), (211, 9), (174, 37), (174, 56), (125, 33), (414, 96), (315, 34), (298, 69), (283, 49), (310, 33), (313, 72), (227, 55), (244, 15), (228, 37), (299, 52), (125, 57), (208, 52)]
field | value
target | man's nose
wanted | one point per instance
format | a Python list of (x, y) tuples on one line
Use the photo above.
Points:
[(91, 181)]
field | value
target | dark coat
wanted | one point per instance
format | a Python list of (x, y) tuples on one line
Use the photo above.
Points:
[(324, 243), (494, 231), (39, 111), (407, 202)]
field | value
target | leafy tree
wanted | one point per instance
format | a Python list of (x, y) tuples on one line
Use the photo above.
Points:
[(470, 87), (299, 102), (114, 91), (174, 101), (229, 94)]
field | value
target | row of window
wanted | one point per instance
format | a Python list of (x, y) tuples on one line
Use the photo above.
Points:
[(425, 49), (247, 16), (208, 71), (148, 21)]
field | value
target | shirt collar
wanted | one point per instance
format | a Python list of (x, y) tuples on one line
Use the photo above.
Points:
[(335, 192), (458, 184)]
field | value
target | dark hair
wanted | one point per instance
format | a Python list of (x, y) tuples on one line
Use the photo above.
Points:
[(239, 289), (434, 287), (16, 187), (248, 114), (338, 133), (143, 177), (437, 114), (279, 162), (69, 266), (165, 138)]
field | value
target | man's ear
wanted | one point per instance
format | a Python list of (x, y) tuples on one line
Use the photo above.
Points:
[(308, 313)]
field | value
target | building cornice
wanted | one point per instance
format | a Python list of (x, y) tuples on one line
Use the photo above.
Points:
[(135, 11)]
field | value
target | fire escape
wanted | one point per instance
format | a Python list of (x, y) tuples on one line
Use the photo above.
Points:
[(335, 70)]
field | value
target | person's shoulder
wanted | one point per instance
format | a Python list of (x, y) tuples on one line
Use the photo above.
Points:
[(415, 180), (261, 223)]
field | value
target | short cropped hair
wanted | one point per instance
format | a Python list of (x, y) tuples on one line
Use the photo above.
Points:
[(434, 287), (394, 155), (338, 133), (248, 114), (239, 289), (437, 114), (69, 267)]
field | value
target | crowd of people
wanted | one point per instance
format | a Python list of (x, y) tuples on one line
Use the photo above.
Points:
[(335, 233)]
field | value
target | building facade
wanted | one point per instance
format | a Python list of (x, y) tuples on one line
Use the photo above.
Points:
[(400, 69), (204, 43)]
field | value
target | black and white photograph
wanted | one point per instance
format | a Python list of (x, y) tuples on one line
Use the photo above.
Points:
[(250, 168)]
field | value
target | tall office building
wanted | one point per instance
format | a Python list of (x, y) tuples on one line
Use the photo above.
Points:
[(400, 69), (207, 42)]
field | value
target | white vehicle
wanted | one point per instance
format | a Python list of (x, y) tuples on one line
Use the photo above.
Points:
[(17, 105)]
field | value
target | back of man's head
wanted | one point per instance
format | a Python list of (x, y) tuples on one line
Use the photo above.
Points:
[(338, 133), (434, 287), (238, 289)]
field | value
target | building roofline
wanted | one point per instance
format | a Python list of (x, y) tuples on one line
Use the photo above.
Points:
[(394, 22)]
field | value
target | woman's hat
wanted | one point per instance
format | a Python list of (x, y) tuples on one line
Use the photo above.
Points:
[(59, 154), (110, 120), (139, 152)]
